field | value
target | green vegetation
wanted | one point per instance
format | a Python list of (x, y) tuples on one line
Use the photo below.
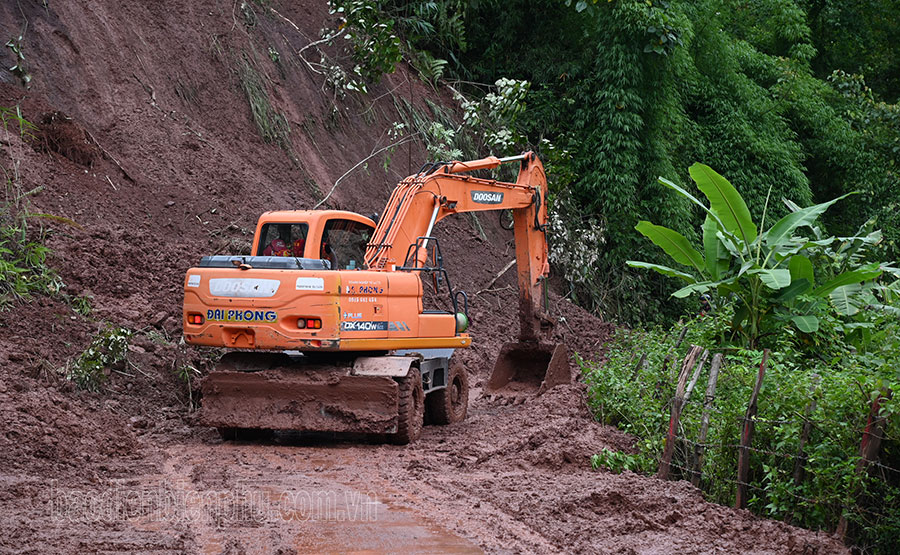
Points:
[(827, 308), (374, 46), (23, 256), (23, 263), (637, 89), (82, 304), (272, 125), (19, 69), (773, 93), (616, 461), (186, 374), (618, 93), (634, 388), (768, 274), (108, 350), (381, 34)]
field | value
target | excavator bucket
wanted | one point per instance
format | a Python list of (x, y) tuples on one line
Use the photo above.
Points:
[(528, 368)]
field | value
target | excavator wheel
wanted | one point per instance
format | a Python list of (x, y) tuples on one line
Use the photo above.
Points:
[(449, 405), (411, 408)]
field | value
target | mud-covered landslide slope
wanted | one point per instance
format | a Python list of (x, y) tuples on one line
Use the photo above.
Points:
[(196, 116), (163, 129)]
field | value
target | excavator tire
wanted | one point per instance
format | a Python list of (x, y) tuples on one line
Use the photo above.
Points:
[(411, 408), (449, 405)]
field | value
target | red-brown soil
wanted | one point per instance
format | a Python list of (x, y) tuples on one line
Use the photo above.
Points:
[(145, 141)]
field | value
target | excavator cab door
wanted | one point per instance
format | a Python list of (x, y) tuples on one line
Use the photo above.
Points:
[(344, 243)]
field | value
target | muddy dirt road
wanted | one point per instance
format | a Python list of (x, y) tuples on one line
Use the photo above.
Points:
[(512, 478)]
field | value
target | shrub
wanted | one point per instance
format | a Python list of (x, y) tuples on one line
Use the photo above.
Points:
[(23, 256), (767, 275), (107, 350), (827, 309), (634, 388)]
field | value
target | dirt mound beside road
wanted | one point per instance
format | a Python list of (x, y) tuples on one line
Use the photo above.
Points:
[(54, 434), (518, 479)]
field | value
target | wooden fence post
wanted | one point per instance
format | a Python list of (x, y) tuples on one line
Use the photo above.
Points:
[(868, 448), (677, 403), (704, 422), (695, 377), (740, 500), (804, 438)]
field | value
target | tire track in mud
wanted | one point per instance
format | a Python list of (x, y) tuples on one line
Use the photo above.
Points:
[(265, 498), (511, 478)]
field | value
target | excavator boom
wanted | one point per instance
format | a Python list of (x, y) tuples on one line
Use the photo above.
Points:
[(445, 189)]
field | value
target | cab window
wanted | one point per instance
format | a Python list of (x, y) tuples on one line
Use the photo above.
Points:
[(282, 240), (344, 243)]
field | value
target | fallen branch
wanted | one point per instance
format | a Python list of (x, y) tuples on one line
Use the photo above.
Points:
[(311, 44), (497, 290), (109, 156), (498, 276), (402, 141), (148, 89)]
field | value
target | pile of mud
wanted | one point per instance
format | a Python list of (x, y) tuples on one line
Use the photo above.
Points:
[(48, 433), (50, 428)]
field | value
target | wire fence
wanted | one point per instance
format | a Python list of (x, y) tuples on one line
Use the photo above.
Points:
[(689, 471), (771, 463), (843, 507)]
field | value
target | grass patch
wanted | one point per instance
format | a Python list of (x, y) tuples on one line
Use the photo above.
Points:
[(23, 256), (273, 126), (82, 304)]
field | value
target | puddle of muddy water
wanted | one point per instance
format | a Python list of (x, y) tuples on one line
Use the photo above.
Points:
[(335, 518)]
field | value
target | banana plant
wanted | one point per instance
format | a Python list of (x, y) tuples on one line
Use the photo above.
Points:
[(767, 274)]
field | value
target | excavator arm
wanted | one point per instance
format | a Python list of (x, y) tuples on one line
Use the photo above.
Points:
[(440, 190)]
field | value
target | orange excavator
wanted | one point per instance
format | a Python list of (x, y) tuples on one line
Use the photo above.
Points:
[(325, 321)]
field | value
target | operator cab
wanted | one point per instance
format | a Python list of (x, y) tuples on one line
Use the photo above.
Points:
[(334, 235), (282, 239)]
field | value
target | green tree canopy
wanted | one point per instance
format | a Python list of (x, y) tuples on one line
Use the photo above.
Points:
[(769, 92)]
